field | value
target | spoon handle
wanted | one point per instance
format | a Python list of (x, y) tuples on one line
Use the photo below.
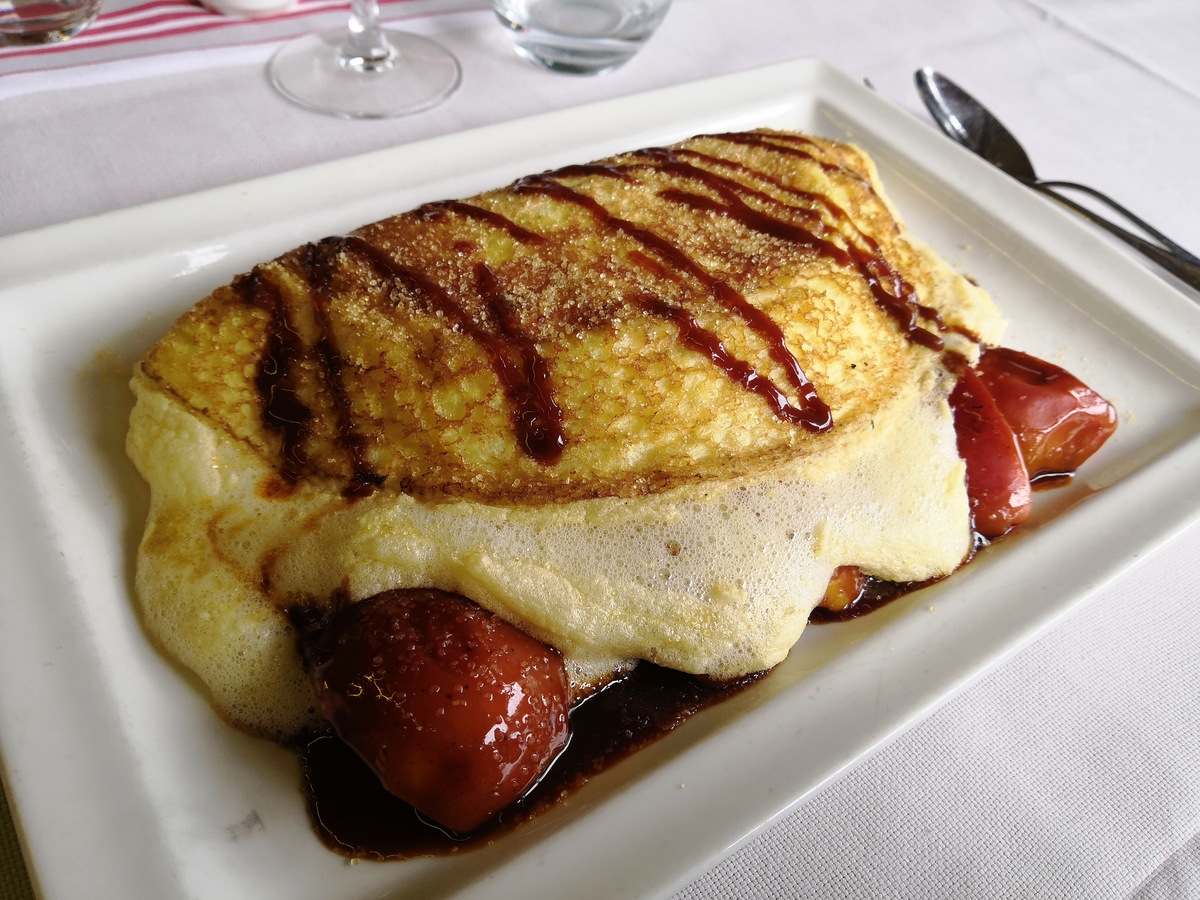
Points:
[(1129, 216), (1186, 271)]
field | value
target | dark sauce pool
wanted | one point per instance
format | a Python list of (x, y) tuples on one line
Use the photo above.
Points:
[(875, 594), (354, 815)]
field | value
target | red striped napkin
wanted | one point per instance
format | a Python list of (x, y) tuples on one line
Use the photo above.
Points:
[(149, 27)]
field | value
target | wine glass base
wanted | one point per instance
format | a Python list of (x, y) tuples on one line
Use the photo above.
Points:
[(312, 72)]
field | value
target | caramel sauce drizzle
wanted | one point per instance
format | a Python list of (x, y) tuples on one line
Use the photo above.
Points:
[(789, 145), (900, 303), (793, 145), (536, 416), (363, 480), (868, 262), (695, 337), (816, 415), (488, 217), (523, 372), (282, 410), (514, 357)]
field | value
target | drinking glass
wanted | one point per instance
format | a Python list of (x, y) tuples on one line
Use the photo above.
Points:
[(44, 21), (580, 37), (364, 71)]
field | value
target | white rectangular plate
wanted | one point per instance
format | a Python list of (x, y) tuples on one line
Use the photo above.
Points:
[(126, 784)]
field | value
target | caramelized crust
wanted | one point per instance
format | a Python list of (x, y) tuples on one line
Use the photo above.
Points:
[(659, 318)]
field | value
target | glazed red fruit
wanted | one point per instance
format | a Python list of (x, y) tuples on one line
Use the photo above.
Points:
[(845, 587), (457, 712), (997, 482), (1058, 420)]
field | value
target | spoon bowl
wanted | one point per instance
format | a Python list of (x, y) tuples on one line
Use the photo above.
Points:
[(967, 121)]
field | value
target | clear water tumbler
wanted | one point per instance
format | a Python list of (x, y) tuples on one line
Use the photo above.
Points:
[(580, 36)]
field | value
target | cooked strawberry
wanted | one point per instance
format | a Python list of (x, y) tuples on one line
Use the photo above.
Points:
[(455, 710), (997, 482), (845, 586), (1058, 420)]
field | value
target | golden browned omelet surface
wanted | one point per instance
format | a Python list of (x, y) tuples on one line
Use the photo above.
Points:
[(641, 408), (641, 411)]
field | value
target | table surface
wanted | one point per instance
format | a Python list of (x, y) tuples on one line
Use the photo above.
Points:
[(1070, 770)]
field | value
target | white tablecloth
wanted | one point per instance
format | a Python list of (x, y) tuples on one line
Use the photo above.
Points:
[(1073, 769)]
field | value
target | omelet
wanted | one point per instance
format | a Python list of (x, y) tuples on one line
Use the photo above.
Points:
[(641, 408)]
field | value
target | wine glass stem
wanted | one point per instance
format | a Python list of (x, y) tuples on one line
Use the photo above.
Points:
[(366, 48)]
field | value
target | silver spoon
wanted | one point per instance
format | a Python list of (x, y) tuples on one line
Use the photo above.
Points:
[(967, 121)]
